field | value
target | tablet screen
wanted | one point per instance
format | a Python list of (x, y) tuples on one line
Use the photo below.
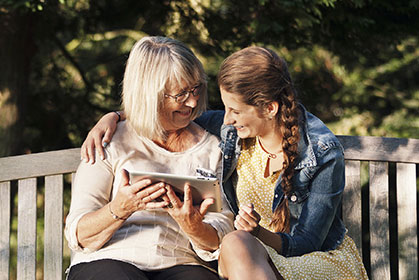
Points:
[(201, 187)]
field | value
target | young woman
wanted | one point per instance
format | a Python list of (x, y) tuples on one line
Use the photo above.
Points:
[(283, 176)]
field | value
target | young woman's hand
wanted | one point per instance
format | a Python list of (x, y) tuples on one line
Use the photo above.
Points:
[(99, 137), (248, 220)]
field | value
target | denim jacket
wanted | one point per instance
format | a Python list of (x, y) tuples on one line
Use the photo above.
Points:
[(318, 183)]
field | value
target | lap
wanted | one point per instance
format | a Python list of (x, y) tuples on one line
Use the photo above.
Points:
[(106, 269), (119, 270), (342, 263), (192, 272)]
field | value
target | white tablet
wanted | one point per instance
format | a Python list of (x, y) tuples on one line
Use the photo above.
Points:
[(202, 187)]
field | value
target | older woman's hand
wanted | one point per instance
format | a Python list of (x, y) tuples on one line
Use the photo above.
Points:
[(138, 196), (185, 213), (190, 217)]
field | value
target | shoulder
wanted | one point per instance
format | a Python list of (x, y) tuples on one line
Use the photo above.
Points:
[(317, 143), (202, 135), (124, 139), (211, 121), (320, 135), (123, 130)]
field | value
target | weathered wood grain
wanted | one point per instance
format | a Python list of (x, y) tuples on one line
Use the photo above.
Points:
[(4, 230), (26, 230), (39, 164), (53, 238), (406, 220), (351, 203), (379, 221), (380, 148)]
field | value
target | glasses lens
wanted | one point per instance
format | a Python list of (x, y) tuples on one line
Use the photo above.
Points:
[(180, 98), (196, 90)]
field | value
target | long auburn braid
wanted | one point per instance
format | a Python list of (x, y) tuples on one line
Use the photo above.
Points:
[(260, 76), (290, 131)]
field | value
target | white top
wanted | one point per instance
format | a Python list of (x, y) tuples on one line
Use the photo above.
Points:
[(148, 239)]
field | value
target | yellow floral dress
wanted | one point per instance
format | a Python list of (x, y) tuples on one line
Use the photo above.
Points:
[(252, 187)]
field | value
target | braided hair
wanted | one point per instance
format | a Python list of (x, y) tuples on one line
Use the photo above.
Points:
[(261, 77)]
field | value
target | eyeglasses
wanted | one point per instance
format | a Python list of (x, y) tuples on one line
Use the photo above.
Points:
[(184, 95)]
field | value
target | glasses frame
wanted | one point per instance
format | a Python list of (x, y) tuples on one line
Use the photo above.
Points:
[(184, 94)]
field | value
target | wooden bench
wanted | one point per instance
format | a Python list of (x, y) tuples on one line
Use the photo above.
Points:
[(386, 234)]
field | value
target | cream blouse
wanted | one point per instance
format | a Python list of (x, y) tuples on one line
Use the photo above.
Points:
[(148, 239)]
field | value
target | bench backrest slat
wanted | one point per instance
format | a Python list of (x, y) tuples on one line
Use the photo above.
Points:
[(352, 212), (4, 229), (53, 242), (39, 164), (379, 220), (406, 220), (380, 148), (26, 229)]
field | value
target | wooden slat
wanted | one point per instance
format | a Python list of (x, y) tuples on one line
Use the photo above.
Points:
[(407, 221), (380, 148), (351, 204), (4, 230), (379, 221), (26, 230), (40, 164), (53, 238)]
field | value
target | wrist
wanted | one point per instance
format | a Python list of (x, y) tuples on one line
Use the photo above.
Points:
[(114, 215), (118, 114), (256, 231)]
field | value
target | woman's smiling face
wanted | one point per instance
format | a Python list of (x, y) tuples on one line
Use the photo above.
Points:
[(245, 118), (174, 115)]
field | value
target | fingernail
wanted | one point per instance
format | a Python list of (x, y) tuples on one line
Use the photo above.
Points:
[(91, 161), (85, 160), (105, 144), (102, 157)]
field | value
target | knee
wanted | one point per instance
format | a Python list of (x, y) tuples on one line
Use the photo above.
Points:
[(238, 241)]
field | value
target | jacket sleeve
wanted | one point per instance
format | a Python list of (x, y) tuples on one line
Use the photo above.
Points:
[(326, 185)]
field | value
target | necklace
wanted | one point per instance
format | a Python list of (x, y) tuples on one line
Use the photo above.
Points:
[(270, 155)]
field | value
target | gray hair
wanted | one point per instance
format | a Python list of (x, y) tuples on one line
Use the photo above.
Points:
[(157, 65)]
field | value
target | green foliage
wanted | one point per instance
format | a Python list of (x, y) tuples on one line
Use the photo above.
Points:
[(353, 62), (24, 5)]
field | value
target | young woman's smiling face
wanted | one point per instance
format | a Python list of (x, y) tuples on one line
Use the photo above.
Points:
[(245, 118)]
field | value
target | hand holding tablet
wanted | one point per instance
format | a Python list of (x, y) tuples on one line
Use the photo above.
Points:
[(201, 187)]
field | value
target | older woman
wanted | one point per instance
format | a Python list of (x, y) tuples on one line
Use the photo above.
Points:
[(119, 229)]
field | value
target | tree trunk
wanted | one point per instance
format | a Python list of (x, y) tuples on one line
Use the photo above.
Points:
[(17, 49)]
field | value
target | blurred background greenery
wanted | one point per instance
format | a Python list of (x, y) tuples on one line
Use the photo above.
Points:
[(355, 62)]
